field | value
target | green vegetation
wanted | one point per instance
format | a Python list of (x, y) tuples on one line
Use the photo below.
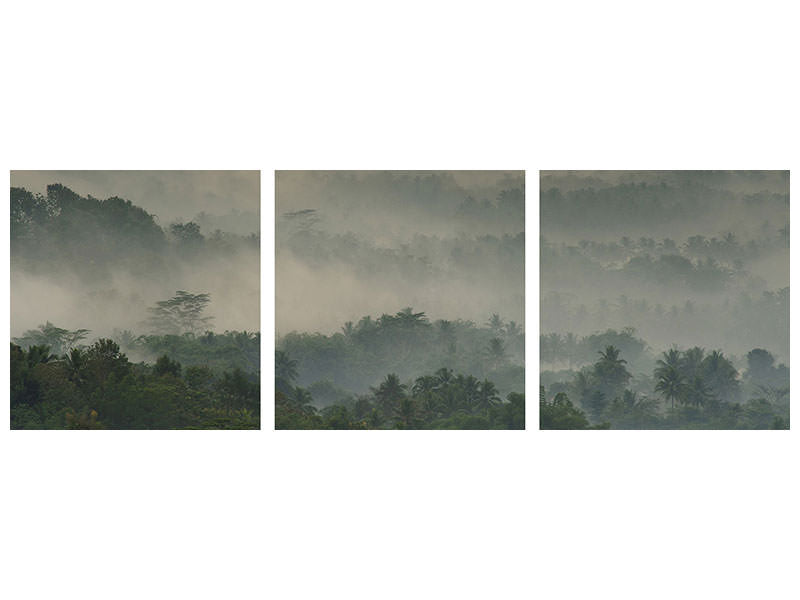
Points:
[(62, 233), (440, 400), (691, 389), (187, 381), (441, 375), (97, 387), (408, 344)]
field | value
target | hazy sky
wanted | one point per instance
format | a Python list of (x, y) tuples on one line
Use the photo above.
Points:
[(361, 253), (170, 195)]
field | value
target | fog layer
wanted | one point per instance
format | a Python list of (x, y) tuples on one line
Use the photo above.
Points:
[(100, 264), (350, 244), (687, 258)]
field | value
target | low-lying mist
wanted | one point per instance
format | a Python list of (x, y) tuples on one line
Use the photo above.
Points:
[(122, 301), (79, 262), (350, 244), (685, 258)]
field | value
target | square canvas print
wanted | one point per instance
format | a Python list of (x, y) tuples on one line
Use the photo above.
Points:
[(664, 300), (400, 300), (135, 300)]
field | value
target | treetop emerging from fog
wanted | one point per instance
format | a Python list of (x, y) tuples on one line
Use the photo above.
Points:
[(692, 267), (232, 198)]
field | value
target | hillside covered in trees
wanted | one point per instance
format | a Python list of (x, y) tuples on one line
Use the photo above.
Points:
[(665, 299), (114, 317), (350, 244)]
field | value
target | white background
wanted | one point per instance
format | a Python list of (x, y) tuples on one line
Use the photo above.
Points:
[(360, 85)]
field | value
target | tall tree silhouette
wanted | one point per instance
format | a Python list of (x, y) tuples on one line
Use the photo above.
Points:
[(610, 372), (496, 353), (670, 383), (285, 367), (389, 393), (183, 313)]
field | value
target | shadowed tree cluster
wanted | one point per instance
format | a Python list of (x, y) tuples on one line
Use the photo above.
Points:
[(98, 387), (440, 400), (62, 233), (408, 344), (689, 389)]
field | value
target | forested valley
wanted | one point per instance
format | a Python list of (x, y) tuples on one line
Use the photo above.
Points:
[(115, 319), (446, 252), (664, 300)]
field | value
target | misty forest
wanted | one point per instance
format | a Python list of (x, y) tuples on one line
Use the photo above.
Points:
[(400, 300), (119, 322), (664, 300)]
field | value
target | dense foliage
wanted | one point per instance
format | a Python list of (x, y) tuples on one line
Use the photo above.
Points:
[(663, 200), (408, 344), (93, 239), (690, 389), (97, 387), (440, 400), (664, 299)]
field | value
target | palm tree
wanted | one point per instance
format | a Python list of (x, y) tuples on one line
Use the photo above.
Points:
[(697, 392), (301, 400), (570, 347), (348, 329), (496, 352), (495, 324), (581, 387), (487, 396), (389, 393), (375, 419), (75, 361), (550, 347), (285, 368), (692, 360), (424, 384), (611, 356), (471, 388), (631, 410), (408, 319), (672, 358), (721, 375), (406, 411), (450, 400), (429, 405), (362, 408), (610, 371), (669, 383), (444, 376)]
